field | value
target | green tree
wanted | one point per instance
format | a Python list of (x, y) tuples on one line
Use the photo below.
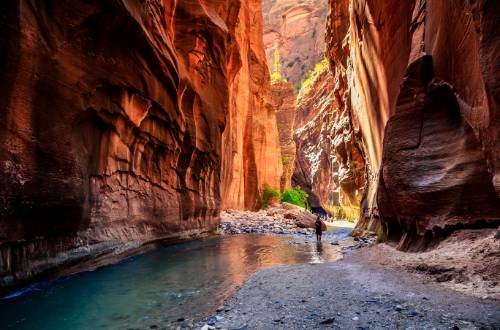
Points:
[(276, 72), (295, 196), (268, 194), (312, 75)]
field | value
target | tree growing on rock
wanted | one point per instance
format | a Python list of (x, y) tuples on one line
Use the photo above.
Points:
[(269, 196), (276, 72), (295, 196)]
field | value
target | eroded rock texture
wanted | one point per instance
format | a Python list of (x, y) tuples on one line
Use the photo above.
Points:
[(112, 121), (329, 164), (251, 146), (421, 87), (297, 29), (284, 99)]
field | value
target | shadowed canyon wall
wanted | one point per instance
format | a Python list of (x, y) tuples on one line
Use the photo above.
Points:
[(112, 122), (423, 90), (297, 30)]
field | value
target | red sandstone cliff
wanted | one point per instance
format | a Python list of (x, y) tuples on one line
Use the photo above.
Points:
[(112, 121), (422, 86), (329, 164), (251, 149), (284, 99), (297, 29)]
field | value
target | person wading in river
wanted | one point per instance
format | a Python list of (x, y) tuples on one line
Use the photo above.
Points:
[(319, 228)]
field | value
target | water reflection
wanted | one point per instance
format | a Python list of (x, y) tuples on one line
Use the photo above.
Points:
[(183, 281), (317, 253)]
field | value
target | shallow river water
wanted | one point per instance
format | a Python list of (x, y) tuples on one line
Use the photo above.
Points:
[(156, 289)]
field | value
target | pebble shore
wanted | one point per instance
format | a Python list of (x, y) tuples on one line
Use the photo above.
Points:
[(245, 222)]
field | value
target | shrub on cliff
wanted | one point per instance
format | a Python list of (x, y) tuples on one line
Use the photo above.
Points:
[(268, 195), (295, 196), (350, 214), (285, 160), (276, 71), (308, 82)]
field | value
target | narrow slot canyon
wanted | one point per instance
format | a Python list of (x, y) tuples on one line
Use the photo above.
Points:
[(257, 164)]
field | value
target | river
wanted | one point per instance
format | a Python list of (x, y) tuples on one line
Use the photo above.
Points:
[(159, 288)]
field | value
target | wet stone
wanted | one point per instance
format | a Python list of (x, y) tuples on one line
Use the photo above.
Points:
[(328, 321)]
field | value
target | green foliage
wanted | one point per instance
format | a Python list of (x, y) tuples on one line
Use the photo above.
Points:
[(295, 196), (285, 160), (275, 77), (350, 214), (312, 75), (268, 194), (297, 88), (276, 72)]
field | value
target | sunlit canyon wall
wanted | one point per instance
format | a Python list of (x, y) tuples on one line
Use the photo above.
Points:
[(329, 164), (284, 101), (297, 30), (112, 121), (251, 147), (421, 79)]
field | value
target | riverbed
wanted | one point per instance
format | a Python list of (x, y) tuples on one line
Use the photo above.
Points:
[(353, 293), (173, 285)]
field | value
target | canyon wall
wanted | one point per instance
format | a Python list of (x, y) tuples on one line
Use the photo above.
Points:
[(422, 86), (251, 155), (284, 99), (297, 30), (112, 122), (329, 164)]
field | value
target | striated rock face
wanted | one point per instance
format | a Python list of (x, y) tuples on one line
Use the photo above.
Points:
[(251, 146), (284, 102), (112, 121), (297, 29), (419, 75), (329, 163)]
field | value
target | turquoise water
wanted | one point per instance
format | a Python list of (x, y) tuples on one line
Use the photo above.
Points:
[(156, 289)]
